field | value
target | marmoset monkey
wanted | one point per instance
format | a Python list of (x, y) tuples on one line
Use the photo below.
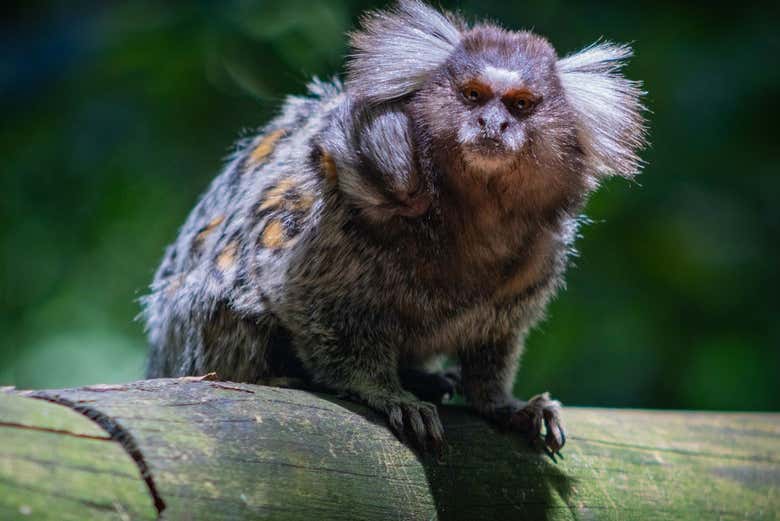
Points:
[(425, 209)]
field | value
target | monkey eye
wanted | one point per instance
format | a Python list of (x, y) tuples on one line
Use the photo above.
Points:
[(475, 92), (520, 100)]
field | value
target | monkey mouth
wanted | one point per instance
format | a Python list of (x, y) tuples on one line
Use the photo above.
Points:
[(487, 157), (489, 147)]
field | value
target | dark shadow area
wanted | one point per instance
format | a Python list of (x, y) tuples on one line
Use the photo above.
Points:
[(488, 474), (485, 473)]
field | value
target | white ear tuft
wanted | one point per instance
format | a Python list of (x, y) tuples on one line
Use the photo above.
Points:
[(397, 49), (612, 128)]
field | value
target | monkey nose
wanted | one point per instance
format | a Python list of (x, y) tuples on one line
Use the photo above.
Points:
[(498, 128)]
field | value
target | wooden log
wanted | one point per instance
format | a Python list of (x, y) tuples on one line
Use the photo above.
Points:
[(189, 449)]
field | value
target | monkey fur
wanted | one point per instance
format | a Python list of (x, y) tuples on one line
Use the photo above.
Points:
[(425, 209)]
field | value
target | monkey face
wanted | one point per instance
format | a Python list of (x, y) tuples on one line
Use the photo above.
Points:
[(496, 113), (498, 99)]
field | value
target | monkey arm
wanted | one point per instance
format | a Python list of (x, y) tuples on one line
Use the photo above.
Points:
[(488, 372), (348, 357), (487, 375)]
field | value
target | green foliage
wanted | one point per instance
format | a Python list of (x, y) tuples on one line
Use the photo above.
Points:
[(116, 116)]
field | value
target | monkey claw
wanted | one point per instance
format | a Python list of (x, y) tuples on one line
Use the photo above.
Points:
[(529, 419)]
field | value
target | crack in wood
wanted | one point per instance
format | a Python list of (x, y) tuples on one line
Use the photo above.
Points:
[(116, 433), (54, 431), (230, 388), (203, 402)]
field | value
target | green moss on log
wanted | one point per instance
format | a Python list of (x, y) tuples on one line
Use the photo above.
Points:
[(219, 451)]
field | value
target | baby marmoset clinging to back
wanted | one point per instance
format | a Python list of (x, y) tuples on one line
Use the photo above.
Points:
[(426, 209)]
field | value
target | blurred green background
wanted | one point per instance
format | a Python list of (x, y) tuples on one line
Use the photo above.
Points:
[(115, 116)]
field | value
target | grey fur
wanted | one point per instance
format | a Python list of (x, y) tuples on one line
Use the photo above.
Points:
[(373, 150), (358, 237), (609, 105), (397, 49)]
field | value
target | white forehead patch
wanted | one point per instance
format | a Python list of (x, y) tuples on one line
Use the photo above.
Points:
[(501, 77)]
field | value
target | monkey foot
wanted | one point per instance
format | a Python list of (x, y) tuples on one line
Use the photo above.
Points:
[(415, 421), (529, 418), (436, 387)]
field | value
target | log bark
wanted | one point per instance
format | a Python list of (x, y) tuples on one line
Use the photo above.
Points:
[(190, 449)]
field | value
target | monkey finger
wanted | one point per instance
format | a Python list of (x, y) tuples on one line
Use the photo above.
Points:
[(555, 436), (433, 426), (537, 424), (413, 419), (396, 421)]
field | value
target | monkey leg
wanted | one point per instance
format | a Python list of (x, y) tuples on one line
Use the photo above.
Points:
[(487, 377), (435, 386)]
